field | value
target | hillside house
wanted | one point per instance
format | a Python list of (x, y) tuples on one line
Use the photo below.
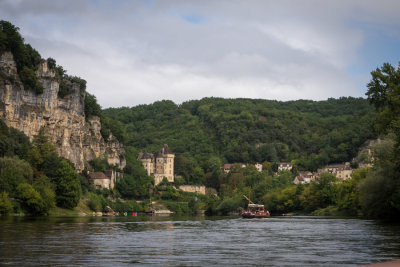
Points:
[(258, 167), (159, 165), (285, 166), (304, 178), (228, 166), (341, 171), (102, 180)]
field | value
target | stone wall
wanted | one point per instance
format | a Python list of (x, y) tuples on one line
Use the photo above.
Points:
[(62, 119), (193, 189)]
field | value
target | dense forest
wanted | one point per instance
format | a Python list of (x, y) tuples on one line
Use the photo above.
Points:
[(309, 133)]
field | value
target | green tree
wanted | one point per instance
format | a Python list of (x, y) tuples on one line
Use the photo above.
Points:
[(13, 172), (27, 58), (47, 194), (189, 169), (229, 205), (94, 202), (99, 164), (31, 201), (384, 93), (13, 142), (5, 203), (42, 149), (380, 192), (91, 106), (349, 194), (51, 63), (320, 194), (68, 188)]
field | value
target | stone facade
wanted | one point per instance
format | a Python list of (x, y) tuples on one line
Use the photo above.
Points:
[(304, 178), (285, 166), (342, 171), (200, 189), (63, 119), (160, 165), (258, 167), (102, 180)]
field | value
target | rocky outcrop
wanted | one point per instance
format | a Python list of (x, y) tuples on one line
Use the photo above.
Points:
[(63, 120)]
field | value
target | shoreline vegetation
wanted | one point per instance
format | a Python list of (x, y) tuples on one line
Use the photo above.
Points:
[(205, 134)]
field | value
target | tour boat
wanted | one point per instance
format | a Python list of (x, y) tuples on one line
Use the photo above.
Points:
[(255, 210)]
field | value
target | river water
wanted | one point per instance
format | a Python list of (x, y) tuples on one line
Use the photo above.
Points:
[(198, 241)]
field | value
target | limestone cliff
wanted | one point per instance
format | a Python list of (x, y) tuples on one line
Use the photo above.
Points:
[(63, 119)]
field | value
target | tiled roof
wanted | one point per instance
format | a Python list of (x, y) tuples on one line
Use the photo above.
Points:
[(146, 155), (227, 165)]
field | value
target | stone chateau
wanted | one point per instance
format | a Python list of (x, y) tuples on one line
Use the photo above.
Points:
[(159, 165)]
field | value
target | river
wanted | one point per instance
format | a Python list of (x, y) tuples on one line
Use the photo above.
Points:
[(195, 241)]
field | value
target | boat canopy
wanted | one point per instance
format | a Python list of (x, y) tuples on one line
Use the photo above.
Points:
[(256, 206)]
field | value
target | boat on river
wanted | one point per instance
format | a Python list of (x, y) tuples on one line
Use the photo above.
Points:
[(255, 210)]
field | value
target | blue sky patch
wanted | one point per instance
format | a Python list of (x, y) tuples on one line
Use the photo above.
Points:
[(193, 19)]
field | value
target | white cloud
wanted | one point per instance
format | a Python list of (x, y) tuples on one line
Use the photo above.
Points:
[(140, 52)]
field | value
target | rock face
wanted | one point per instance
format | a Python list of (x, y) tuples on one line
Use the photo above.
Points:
[(63, 119)]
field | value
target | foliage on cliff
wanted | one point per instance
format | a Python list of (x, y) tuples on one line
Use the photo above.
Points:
[(26, 57)]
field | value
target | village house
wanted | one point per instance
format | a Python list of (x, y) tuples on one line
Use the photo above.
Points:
[(285, 166), (304, 178), (228, 166), (160, 165), (342, 171), (258, 167), (102, 180)]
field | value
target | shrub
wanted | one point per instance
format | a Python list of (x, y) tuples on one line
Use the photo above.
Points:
[(94, 202), (30, 81), (5, 203), (31, 201)]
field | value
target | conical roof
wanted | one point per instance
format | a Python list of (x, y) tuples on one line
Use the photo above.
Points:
[(146, 156)]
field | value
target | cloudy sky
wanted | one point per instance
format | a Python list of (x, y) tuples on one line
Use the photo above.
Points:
[(138, 52)]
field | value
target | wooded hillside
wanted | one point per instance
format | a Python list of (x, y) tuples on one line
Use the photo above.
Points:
[(313, 133)]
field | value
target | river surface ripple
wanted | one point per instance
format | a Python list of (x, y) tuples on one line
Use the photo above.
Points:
[(200, 241)]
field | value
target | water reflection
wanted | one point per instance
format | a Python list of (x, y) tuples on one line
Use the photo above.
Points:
[(103, 241)]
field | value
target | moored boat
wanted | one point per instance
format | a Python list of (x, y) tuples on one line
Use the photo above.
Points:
[(150, 212)]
